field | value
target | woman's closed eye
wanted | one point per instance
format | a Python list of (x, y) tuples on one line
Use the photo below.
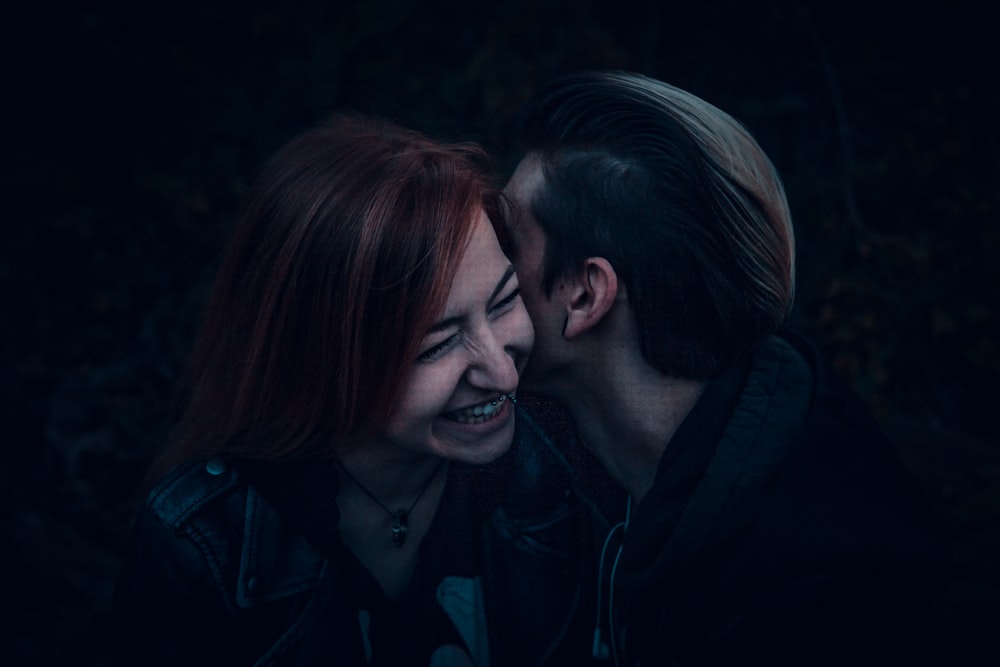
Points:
[(439, 349), (436, 351), (506, 301)]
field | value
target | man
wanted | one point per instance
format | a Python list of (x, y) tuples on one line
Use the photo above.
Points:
[(767, 521)]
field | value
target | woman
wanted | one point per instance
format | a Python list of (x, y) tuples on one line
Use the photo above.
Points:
[(323, 499)]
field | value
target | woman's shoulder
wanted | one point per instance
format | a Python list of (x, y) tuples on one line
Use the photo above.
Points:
[(211, 570), (191, 526), (548, 468), (211, 515), (544, 418), (190, 488)]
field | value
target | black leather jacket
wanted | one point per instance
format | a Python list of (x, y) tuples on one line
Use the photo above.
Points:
[(219, 576)]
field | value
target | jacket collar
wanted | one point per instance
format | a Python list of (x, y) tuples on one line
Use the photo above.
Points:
[(726, 451), (290, 529)]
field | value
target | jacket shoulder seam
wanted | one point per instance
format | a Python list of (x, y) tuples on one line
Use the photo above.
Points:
[(189, 488)]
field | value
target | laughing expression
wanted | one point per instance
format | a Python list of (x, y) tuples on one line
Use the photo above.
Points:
[(457, 401)]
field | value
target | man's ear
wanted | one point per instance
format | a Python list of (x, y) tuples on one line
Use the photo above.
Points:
[(594, 292)]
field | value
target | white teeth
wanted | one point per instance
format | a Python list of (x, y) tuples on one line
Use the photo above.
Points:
[(477, 414)]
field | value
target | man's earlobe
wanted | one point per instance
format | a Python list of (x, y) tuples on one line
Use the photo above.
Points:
[(594, 294)]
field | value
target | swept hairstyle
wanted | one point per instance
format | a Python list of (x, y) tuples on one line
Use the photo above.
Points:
[(682, 201), (342, 258)]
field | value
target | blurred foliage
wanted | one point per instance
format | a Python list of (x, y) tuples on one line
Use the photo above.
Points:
[(134, 133)]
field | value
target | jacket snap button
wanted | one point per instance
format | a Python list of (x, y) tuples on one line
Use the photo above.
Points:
[(215, 466), (253, 585)]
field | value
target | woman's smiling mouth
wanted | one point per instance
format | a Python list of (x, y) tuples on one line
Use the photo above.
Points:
[(478, 414)]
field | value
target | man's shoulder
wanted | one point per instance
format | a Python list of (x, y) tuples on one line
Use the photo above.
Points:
[(843, 483)]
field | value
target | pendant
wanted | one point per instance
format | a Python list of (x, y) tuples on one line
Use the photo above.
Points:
[(399, 528)]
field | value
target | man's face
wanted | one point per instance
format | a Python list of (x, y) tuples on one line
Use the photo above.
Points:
[(528, 256)]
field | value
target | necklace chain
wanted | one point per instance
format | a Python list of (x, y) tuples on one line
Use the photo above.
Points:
[(400, 518)]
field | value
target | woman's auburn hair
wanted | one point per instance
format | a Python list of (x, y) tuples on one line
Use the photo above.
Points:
[(341, 260)]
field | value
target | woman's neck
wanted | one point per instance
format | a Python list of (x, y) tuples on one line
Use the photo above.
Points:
[(375, 484), (392, 474)]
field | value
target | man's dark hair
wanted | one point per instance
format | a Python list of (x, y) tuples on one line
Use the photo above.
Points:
[(682, 201)]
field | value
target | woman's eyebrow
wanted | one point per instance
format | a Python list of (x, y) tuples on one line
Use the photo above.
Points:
[(503, 281), (441, 325)]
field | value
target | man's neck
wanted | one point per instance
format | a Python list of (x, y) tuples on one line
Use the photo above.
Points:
[(626, 414)]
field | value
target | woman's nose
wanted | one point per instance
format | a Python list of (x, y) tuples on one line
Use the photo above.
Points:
[(501, 352), (494, 368)]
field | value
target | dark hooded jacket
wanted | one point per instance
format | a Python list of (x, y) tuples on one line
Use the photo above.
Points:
[(780, 530)]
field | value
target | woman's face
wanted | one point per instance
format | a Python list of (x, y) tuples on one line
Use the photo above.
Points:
[(455, 403)]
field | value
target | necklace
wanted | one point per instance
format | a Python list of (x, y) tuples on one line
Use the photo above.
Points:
[(400, 518)]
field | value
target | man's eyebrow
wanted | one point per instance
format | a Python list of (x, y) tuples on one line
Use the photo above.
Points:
[(457, 319)]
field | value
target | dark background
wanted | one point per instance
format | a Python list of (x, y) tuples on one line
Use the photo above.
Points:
[(131, 137)]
